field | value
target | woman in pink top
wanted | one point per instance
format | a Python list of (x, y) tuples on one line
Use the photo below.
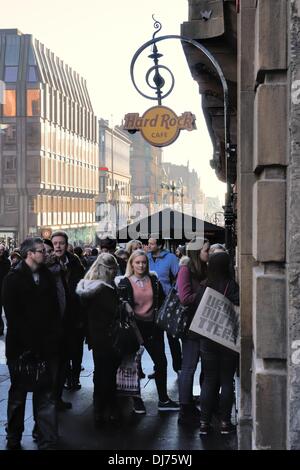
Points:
[(143, 291)]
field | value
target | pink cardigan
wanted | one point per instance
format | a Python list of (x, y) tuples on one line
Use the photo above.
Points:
[(187, 286)]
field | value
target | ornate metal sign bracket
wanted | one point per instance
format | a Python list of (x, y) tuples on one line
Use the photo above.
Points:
[(158, 83)]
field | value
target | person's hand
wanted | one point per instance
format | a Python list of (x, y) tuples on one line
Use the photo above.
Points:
[(50, 259), (129, 309)]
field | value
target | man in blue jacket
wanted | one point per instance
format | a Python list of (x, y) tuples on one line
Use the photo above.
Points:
[(166, 266)]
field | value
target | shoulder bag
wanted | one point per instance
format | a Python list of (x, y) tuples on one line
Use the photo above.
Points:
[(125, 335), (173, 317)]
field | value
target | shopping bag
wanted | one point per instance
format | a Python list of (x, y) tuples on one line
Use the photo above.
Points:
[(128, 381), (218, 319), (172, 317)]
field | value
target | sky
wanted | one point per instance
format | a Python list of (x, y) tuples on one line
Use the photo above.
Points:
[(98, 39)]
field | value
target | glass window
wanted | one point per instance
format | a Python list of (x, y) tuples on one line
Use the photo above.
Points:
[(10, 134), (11, 74), (10, 163), (12, 50), (31, 56), (102, 184), (33, 102), (10, 103), (32, 74), (33, 132), (11, 202), (31, 204)]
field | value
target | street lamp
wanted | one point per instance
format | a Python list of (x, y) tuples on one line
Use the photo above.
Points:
[(172, 189), (167, 187)]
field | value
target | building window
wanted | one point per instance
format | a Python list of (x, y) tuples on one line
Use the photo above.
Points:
[(10, 163), (11, 74), (10, 203), (31, 204), (102, 184), (10, 134), (10, 103), (31, 56), (12, 50), (33, 132), (33, 102), (32, 74)]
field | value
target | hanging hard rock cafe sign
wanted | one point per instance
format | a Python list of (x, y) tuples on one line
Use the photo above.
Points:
[(159, 125)]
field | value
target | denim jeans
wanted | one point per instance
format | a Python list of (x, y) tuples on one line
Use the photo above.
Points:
[(219, 366), (176, 353), (190, 359)]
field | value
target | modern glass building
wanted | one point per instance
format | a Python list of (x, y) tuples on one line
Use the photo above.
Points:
[(48, 143)]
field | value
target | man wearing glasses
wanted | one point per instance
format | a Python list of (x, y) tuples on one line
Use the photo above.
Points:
[(33, 326)]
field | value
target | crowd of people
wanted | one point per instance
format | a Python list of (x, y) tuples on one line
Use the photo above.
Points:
[(55, 297)]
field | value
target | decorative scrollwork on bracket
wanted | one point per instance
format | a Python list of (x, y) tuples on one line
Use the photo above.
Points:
[(157, 25), (153, 77)]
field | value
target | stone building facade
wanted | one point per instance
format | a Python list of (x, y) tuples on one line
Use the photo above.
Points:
[(260, 38), (188, 197), (145, 169), (48, 143)]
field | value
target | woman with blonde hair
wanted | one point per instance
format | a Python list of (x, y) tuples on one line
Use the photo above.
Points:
[(100, 300), (133, 245), (143, 291)]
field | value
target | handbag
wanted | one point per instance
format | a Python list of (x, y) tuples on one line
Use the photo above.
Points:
[(126, 337), (172, 316), (31, 372)]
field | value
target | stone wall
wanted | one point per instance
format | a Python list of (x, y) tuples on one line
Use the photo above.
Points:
[(263, 100), (246, 179), (268, 186), (262, 245), (293, 232)]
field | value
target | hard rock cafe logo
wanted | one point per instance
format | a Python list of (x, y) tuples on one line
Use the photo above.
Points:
[(46, 233), (159, 125)]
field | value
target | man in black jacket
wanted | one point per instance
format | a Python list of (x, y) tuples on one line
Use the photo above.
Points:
[(4, 268), (70, 273), (33, 325)]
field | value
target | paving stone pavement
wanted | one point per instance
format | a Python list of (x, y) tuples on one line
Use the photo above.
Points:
[(145, 432)]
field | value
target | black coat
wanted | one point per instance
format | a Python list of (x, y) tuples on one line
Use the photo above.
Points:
[(32, 313), (227, 286), (100, 302), (4, 268), (125, 291), (74, 317)]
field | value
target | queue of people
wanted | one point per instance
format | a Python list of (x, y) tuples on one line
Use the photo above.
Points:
[(69, 295)]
